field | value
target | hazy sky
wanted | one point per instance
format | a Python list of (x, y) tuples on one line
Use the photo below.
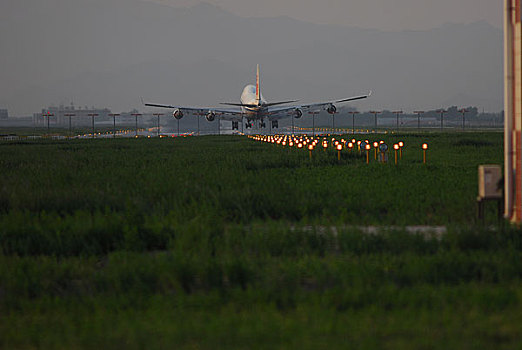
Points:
[(381, 14)]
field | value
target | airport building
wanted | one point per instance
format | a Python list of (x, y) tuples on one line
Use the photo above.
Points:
[(4, 114), (59, 116)]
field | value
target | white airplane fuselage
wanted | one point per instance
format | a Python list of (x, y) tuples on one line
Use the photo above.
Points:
[(248, 97)]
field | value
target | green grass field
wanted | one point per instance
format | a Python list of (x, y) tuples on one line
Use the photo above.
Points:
[(223, 242)]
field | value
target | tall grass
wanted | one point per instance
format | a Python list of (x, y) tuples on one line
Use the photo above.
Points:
[(221, 242)]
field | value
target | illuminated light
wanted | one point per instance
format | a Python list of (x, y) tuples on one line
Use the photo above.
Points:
[(359, 143), (376, 144), (424, 146), (311, 147), (339, 147), (401, 145), (354, 140), (300, 145), (350, 145), (424, 149), (368, 147)]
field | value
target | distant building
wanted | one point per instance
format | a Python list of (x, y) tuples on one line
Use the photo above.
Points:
[(58, 116), (4, 114)]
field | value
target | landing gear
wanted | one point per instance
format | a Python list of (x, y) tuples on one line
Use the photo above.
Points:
[(262, 125), (248, 125), (235, 125), (275, 124)]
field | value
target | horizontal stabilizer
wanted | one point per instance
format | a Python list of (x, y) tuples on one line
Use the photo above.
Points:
[(279, 103), (239, 105)]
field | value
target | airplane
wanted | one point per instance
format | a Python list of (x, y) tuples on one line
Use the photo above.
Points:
[(253, 107)]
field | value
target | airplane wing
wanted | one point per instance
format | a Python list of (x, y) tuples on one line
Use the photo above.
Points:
[(284, 112), (225, 114), (326, 104)]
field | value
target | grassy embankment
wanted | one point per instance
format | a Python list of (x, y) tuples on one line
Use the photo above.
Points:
[(223, 242)]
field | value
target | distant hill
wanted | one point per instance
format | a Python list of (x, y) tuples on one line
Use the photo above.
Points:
[(110, 52)]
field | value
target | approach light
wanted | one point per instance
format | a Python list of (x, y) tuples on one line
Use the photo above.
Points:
[(424, 149), (396, 148)]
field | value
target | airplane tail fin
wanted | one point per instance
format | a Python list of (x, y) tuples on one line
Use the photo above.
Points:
[(258, 88)]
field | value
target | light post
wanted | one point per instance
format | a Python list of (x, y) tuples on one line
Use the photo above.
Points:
[(397, 114), (419, 113), (70, 124), (313, 121), (353, 120), (158, 115), (442, 112), (424, 149), (310, 149), (113, 115), (197, 117), (333, 121), (92, 115), (136, 115), (49, 115), (396, 148), (463, 111), (375, 113)]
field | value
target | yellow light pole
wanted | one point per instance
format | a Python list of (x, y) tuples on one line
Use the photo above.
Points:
[(376, 146), (339, 149), (396, 148), (424, 149), (368, 148), (401, 145), (310, 149)]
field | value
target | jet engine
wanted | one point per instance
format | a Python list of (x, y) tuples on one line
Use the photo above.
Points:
[(178, 114), (332, 109), (298, 113), (211, 116)]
